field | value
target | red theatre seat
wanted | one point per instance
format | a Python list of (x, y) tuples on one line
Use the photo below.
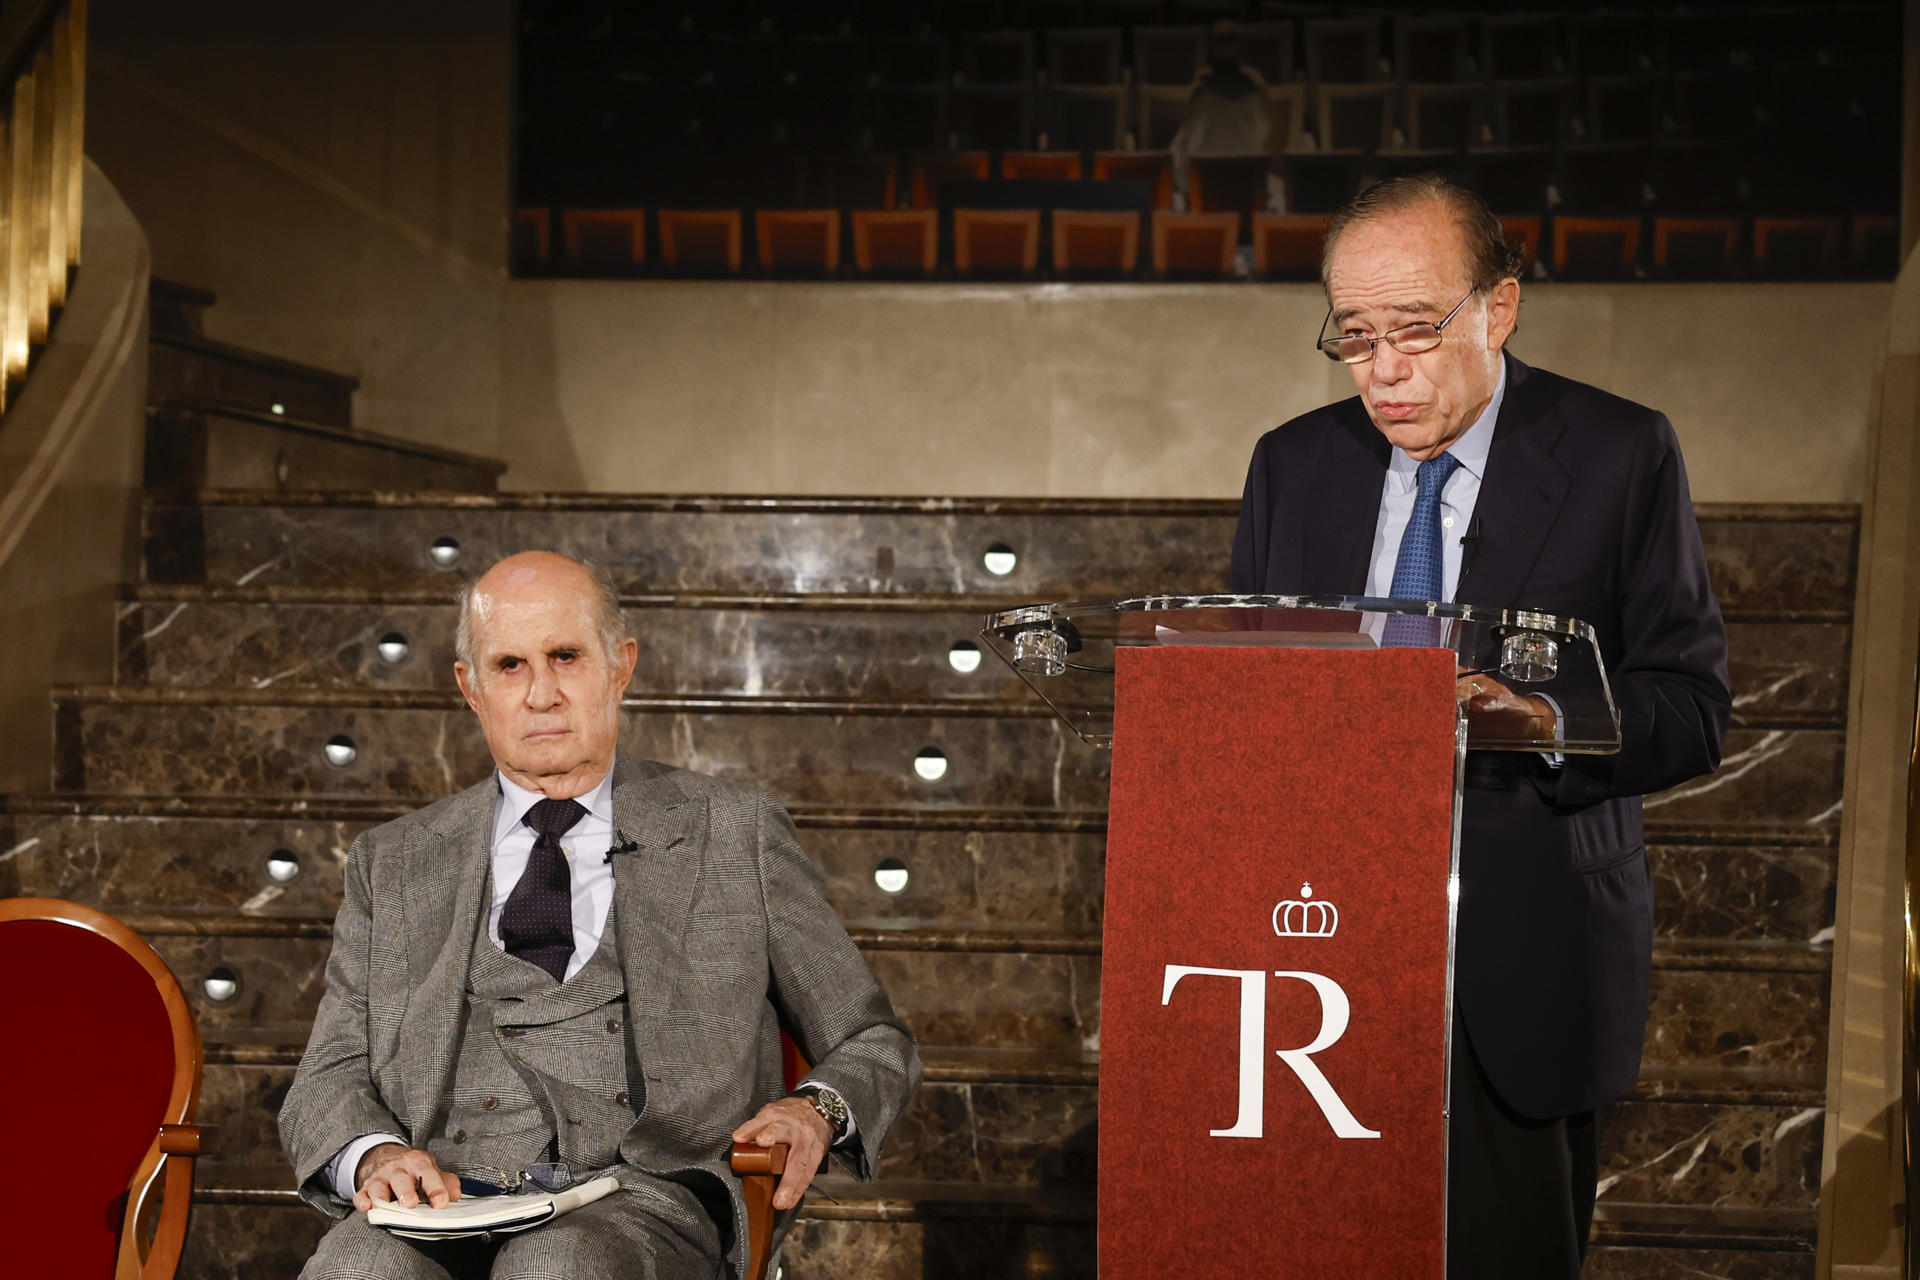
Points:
[(604, 241), (1195, 243), (1700, 248), (103, 1062), (804, 241), (996, 241), (1595, 248), (896, 241), (1153, 168), (1286, 246), (929, 171), (1789, 247), (532, 239), (700, 240), (1059, 165), (1524, 229), (1105, 243), (1876, 245)]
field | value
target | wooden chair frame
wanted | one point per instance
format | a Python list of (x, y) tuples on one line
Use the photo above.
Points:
[(759, 1169), (167, 1166)]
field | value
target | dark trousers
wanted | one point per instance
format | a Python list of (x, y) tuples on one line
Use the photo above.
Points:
[(1520, 1191)]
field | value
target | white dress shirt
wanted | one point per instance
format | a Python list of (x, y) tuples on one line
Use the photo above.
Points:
[(590, 876), (1457, 500)]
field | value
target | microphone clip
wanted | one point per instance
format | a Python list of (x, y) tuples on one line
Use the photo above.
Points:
[(622, 843)]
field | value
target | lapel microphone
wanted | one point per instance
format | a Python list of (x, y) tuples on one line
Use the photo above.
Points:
[(622, 843), (1469, 544)]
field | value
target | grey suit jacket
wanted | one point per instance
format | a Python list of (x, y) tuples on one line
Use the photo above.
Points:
[(724, 935)]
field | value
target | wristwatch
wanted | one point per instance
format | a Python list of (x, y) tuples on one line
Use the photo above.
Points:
[(831, 1106)]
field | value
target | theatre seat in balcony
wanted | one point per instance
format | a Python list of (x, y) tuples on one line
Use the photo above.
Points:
[(1061, 166), (1085, 118), (896, 242), (700, 241), (930, 170), (1875, 246), (1095, 243), (1595, 248), (1169, 56), (798, 241), (1153, 168), (1355, 117), (1793, 248), (604, 242), (1267, 47), (997, 242), (1195, 244), (1229, 184), (1286, 246), (1524, 229), (1695, 248), (532, 240)]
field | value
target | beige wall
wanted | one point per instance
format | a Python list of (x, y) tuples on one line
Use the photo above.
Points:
[(337, 174), (1116, 390)]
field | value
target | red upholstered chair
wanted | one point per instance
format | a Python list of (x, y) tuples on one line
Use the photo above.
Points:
[(1000, 241), (1287, 246), (1195, 243), (101, 1075)]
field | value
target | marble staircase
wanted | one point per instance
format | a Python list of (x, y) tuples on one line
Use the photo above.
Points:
[(284, 684)]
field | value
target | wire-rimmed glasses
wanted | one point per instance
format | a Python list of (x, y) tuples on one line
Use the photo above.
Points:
[(1408, 339)]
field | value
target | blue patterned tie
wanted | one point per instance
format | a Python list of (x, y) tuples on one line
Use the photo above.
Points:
[(1418, 571)]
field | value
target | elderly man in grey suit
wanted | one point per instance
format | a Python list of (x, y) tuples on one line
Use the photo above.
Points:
[(580, 965)]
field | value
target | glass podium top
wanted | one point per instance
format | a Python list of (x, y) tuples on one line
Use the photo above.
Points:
[(1065, 653)]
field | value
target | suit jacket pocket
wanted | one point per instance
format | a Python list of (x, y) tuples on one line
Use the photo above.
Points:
[(1594, 865)]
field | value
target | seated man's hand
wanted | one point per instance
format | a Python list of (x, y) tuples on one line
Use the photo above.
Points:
[(1499, 712), (807, 1135), (403, 1175)]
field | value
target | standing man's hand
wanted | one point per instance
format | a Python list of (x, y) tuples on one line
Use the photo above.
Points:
[(1498, 712), (807, 1135), (405, 1176)]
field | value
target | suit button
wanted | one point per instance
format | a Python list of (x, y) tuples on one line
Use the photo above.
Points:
[(613, 1024), (490, 1104), (621, 1097), (459, 1135)]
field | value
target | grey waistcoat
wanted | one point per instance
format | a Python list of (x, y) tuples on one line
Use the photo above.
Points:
[(542, 1066)]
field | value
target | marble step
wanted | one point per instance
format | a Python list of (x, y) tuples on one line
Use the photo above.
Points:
[(191, 445), (1725, 1007), (1728, 1152), (195, 635), (1776, 561), (981, 867), (247, 1223), (183, 365), (849, 752)]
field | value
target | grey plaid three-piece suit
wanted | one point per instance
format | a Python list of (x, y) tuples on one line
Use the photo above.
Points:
[(722, 933)]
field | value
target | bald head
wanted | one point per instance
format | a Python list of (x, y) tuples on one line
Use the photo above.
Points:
[(543, 659), (535, 571)]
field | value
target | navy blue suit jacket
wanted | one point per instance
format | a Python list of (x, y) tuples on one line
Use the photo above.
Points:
[(1583, 511)]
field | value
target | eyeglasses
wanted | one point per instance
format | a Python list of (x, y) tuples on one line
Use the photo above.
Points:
[(1408, 339)]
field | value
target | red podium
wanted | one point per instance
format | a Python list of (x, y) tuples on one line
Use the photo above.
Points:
[(1276, 990)]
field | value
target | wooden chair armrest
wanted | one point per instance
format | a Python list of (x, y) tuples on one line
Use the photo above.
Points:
[(179, 1144), (759, 1169), (750, 1158), (180, 1139)]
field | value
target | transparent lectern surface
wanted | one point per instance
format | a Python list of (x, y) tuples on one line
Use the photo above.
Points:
[(1065, 652)]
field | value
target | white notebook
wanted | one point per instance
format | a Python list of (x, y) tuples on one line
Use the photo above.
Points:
[(487, 1215)]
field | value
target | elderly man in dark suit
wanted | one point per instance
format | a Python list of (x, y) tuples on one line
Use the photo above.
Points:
[(577, 966), (1459, 473)]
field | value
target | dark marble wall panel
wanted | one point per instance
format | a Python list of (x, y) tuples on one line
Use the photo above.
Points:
[(774, 652), (249, 1242), (1789, 667), (114, 861), (1611, 1262), (1736, 893), (1715, 1018), (1015, 1000), (120, 860), (1703, 1154), (938, 1250), (1767, 564), (1026, 762), (1079, 556), (1777, 776), (1758, 565)]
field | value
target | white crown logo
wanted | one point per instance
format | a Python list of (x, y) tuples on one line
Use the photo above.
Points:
[(1305, 918)]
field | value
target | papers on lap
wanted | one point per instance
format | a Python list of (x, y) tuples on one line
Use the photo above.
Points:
[(487, 1215)]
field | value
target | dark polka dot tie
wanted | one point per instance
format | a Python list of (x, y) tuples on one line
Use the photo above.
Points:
[(537, 922), (1419, 570)]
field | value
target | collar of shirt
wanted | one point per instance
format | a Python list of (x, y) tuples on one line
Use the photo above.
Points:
[(1470, 450), (515, 800)]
